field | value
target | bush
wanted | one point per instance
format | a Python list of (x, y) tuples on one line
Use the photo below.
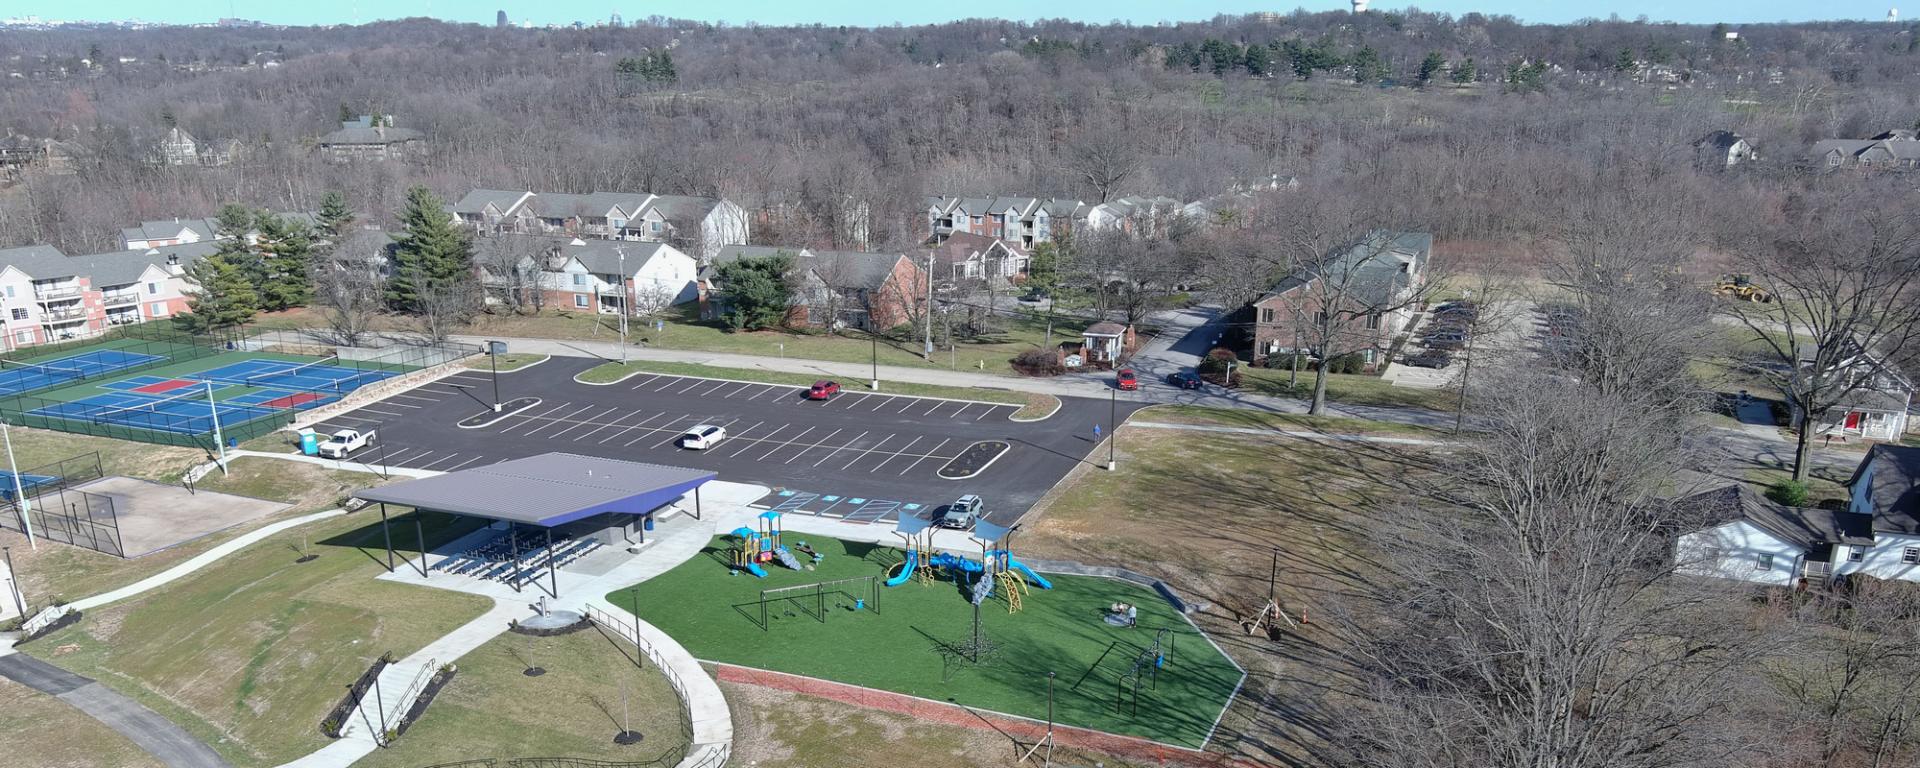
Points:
[(1213, 368), (1038, 362), (1792, 493), (1352, 363)]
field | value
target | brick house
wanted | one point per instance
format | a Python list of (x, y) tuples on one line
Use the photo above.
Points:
[(845, 289), (1378, 278)]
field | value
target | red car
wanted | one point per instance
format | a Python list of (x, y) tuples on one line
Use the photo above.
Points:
[(823, 389), (1124, 379)]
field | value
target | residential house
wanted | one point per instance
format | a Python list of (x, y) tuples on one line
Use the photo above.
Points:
[(1753, 539), (1378, 278), (967, 257), (1023, 221), (1724, 149), (1894, 150), (841, 289), (600, 275), (699, 226), (372, 137), (154, 234), (1140, 215), (47, 296), (1874, 406), (177, 147), (1219, 209), (20, 155)]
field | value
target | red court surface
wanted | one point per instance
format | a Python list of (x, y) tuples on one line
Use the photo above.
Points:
[(292, 400), (165, 386)]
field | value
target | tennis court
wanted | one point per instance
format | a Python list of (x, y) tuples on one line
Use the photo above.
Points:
[(28, 482), (320, 375), (17, 377), (186, 414)]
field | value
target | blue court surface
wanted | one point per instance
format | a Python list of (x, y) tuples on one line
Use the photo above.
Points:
[(16, 378), (187, 415), (317, 375), (28, 482)]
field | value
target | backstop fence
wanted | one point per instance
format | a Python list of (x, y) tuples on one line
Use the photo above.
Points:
[(60, 511)]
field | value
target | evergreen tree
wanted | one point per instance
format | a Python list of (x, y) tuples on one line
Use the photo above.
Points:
[(232, 228), (1625, 61), (1367, 66), (225, 297), (1430, 67), (286, 251), (346, 112), (1464, 73), (757, 291), (166, 117), (335, 217), (430, 251), (1258, 60)]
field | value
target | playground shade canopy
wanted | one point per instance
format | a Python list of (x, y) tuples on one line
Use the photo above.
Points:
[(546, 490)]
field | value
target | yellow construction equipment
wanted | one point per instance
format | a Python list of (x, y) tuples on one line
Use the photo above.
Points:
[(1741, 287)]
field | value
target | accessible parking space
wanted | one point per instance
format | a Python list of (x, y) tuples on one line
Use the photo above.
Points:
[(864, 456)]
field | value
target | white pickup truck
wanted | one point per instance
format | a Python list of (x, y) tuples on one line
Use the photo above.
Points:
[(345, 442)]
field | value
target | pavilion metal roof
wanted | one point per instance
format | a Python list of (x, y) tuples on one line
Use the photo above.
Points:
[(545, 490)]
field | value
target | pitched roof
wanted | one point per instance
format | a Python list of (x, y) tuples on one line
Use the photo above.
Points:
[(849, 269), (961, 247), (1721, 140), (684, 207), (1371, 277), (1105, 328), (545, 490), (167, 229), (603, 256), (42, 262), (476, 201), (365, 135), (1893, 493), (1804, 527)]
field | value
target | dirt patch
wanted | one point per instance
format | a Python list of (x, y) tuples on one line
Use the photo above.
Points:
[(152, 516)]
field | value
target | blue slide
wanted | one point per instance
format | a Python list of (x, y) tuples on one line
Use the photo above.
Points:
[(755, 569), (906, 571), (1037, 579)]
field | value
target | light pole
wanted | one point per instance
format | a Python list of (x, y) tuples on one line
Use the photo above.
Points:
[(13, 584), (874, 338), (928, 311), (622, 253), (493, 355), (1113, 427), (19, 493), (219, 443)]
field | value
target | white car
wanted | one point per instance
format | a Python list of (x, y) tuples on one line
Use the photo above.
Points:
[(702, 437)]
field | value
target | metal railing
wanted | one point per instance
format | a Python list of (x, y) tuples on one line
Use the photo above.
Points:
[(120, 297), (56, 293), (58, 315)]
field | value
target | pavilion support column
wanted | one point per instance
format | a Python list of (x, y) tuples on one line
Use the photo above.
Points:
[(553, 573), (420, 537), (388, 533), (513, 542)]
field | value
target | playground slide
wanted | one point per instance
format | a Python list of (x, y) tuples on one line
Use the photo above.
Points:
[(755, 569), (906, 571), (1033, 578), (786, 558)]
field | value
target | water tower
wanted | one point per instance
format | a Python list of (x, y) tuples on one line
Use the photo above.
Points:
[(1359, 6), (1893, 15)]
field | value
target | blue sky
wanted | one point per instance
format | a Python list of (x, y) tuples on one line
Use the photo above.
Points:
[(873, 13)]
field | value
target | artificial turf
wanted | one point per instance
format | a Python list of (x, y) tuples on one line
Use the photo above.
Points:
[(907, 645)]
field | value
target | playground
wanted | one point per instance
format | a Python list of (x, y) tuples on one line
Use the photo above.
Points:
[(1144, 672)]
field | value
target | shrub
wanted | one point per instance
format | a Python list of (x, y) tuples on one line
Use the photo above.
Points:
[(1214, 367), (1792, 493), (1038, 362)]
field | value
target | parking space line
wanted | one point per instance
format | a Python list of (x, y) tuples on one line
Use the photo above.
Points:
[(905, 403), (525, 420), (662, 428), (464, 463), (550, 423), (716, 388), (821, 442), (616, 422), (411, 396), (398, 404), (803, 433), (984, 414), (765, 389), (418, 456), (631, 427), (752, 442), (666, 382), (378, 411), (448, 457), (883, 402), (863, 398), (594, 419), (349, 417), (963, 409), (867, 452), (738, 390), (902, 451), (930, 453), (390, 456), (690, 386), (936, 406), (648, 380), (856, 438)]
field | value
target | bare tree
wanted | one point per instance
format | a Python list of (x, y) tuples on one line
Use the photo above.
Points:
[(1105, 161), (446, 305), (348, 288), (1853, 674), (1844, 273), (1352, 299), (510, 269)]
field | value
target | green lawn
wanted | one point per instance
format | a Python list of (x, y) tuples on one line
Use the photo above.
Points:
[(607, 373), (1349, 389), (250, 652), (900, 647), (492, 710)]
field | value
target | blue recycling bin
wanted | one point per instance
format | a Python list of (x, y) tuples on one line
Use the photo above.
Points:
[(646, 523)]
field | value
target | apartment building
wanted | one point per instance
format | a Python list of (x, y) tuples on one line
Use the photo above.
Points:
[(47, 296), (1023, 221), (698, 226)]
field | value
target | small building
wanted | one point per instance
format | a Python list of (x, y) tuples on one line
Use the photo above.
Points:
[(1874, 407), (967, 257), (372, 137), (601, 276), (1724, 149), (1107, 344)]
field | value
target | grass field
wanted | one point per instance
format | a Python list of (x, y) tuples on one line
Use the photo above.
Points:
[(250, 652), (1280, 422), (906, 646), (39, 730), (1351, 389), (492, 710)]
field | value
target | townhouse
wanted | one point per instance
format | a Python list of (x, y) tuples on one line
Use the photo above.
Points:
[(594, 275), (1022, 221), (1375, 279), (156, 234), (965, 257), (47, 296), (840, 289), (698, 226)]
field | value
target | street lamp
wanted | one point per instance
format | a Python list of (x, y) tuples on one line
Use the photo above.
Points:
[(493, 355), (13, 584), (219, 443), (20, 502), (622, 253), (1113, 426), (874, 338)]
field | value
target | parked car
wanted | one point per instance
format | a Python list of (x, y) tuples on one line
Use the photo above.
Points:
[(1430, 359), (960, 514), (1125, 379), (702, 437), (345, 442), (823, 389), (1186, 380), (1445, 340)]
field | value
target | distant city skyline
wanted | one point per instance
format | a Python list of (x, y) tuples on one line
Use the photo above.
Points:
[(852, 12)]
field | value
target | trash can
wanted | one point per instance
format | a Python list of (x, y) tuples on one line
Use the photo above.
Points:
[(646, 523)]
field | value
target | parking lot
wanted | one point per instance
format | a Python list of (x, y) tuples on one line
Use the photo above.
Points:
[(862, 456)]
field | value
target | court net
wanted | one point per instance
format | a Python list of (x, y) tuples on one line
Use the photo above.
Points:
[(47, 370), (288, 373), (144, 412)]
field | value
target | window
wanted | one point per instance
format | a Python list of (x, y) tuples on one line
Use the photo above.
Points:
[(656, 225), (23, 337), (1373, 321), (19, 314), (579, 279), (580, 300), (1856, 554), (1910, 555), (1266, 314), (1765, 563), (157, 309), (9, 291), (153, 289)]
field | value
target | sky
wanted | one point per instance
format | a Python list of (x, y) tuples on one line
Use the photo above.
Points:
[(854, 12)]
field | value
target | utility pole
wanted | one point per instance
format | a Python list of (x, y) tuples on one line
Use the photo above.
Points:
[(20, 502), (219, 443), (622, 253)]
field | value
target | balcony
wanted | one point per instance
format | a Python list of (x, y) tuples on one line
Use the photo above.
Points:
[(56, 292), (120, 299), (63, 316)]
